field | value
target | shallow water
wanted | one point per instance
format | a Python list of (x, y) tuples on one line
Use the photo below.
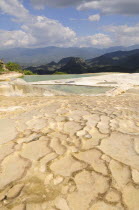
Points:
[(79, 90), (35, 78)]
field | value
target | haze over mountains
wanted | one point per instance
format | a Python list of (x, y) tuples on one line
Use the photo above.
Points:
[(40, 56), (119, 61)]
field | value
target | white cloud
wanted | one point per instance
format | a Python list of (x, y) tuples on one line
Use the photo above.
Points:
[(128, 7), (49, 32), (98, 40), (94, 17), (36, 31), (15, 38), (40, 31), (124, 35), (40, 4), (14, 8), (124, 29)]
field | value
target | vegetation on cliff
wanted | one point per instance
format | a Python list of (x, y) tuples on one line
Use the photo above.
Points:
[(12, 67), (1, 68)]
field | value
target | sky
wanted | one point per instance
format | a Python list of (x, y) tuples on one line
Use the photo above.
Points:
[(68, 23)]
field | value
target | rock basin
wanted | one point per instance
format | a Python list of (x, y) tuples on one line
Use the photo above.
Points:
[(70, 152)]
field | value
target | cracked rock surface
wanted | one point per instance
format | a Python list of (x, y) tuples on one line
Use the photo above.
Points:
[(70, 153)]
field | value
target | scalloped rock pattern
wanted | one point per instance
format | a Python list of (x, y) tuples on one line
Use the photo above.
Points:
[(69, 153)]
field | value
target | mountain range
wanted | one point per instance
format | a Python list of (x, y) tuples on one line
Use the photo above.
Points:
[(119, 61), (40, 56)]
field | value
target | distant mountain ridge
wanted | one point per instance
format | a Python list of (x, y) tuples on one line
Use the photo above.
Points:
[(41, 56), (119, 61), (128, 59)]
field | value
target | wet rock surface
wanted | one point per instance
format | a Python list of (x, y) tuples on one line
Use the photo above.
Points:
[(69, 153)]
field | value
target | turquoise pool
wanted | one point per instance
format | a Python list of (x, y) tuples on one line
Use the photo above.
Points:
[(35, 78), (77, 90)]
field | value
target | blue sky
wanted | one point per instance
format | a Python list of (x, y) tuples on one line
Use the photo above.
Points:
[(68, 23)]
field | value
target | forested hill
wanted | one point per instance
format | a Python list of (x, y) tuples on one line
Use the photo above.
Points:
[(119, 61)]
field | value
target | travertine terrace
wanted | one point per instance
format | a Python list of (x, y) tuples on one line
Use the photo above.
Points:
[(69, 153)]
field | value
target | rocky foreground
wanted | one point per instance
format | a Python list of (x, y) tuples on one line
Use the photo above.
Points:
[(8, 76), (69, 153)]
